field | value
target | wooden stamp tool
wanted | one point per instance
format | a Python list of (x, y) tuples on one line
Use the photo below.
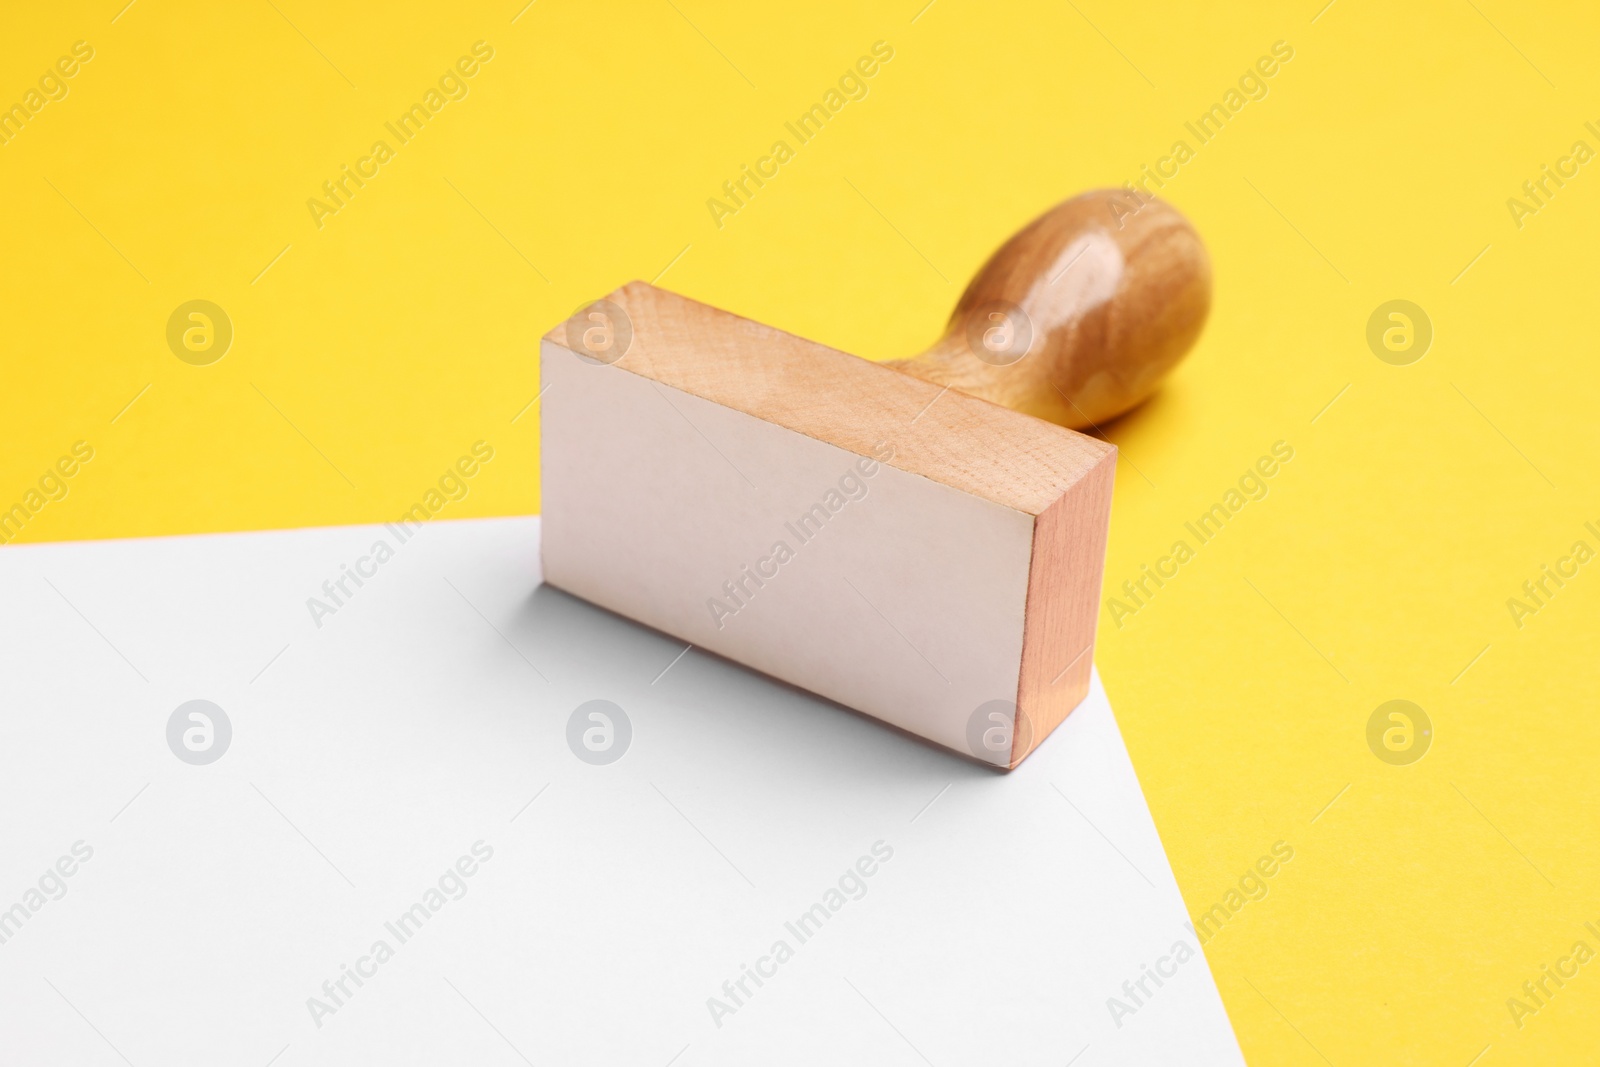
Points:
[(922, 541)]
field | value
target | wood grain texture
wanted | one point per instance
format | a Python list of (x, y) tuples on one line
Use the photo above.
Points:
[(1111, 292), (980, 448), (1064, 578)]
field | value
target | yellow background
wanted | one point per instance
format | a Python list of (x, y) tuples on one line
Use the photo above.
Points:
[(378, 348)]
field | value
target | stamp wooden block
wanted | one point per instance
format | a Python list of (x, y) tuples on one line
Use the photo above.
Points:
[(889, 542)]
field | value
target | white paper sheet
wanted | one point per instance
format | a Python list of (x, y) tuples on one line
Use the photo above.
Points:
[(427, 714)]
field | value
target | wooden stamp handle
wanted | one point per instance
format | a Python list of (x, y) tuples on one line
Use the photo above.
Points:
[(1080, 315)]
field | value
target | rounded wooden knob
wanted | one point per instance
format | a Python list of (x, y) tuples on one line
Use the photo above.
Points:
[(1080, 315)]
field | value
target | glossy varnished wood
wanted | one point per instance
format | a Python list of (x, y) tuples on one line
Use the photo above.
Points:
[(1113, 290)]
